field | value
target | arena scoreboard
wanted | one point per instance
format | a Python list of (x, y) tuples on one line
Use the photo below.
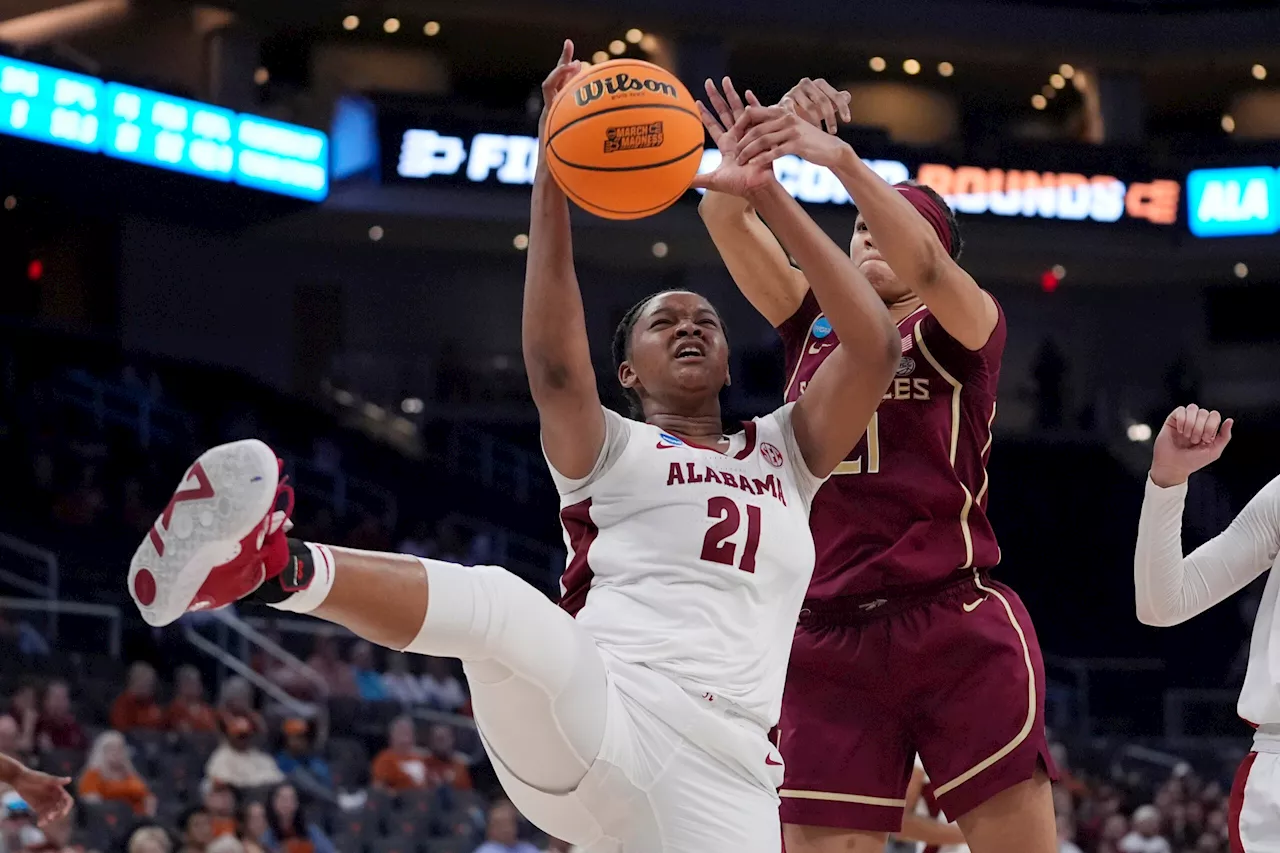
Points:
[(158, 130)]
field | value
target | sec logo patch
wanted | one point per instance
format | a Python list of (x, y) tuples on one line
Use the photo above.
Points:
[(771, 454)]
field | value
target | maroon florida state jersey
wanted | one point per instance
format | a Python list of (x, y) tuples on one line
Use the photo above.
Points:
[(908, 506)]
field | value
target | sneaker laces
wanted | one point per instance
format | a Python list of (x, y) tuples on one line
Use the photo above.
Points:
[(279, 519)]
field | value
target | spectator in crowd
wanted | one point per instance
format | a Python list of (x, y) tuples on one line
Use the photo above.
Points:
[(400, 682), (149, 839), (403, 764), (219, 803), (1067, 834), (58, 727), (109, 775), (237, 762), (502, 833), (24, 708), (1114, 829), (24, 637), (368, 681), (236, 702), (418, 543), (10, 740), (1145, 835), (82, 505), (300, 762), (339, 675), (444, 765), (442, 687), (288, 830), (450, 545), (253, 827), (189, 712), (225, 844), (136, 707), (197, 830)]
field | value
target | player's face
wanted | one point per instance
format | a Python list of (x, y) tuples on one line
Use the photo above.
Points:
[(862, 249), (678, 351)]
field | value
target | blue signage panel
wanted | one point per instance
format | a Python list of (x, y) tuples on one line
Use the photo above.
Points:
[(154, 129), (172, 133), (1233, 202), (49, 105), (281, 158)]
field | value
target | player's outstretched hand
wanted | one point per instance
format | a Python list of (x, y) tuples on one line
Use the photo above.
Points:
[(46, 795), (566, 69), (1190, 439), (772, 132), (818, 102), (720, 120)]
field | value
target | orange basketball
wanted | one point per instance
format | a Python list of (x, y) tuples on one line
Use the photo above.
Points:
[(624, 139)]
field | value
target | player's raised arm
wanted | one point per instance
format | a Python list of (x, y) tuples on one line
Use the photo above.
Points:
[(750, 252), (1168, 587), (557, 356), (840, 399), (908, 242)]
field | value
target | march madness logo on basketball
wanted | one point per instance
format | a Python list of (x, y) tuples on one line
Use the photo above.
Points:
[(771, 454), (633, 137), (621, 83)]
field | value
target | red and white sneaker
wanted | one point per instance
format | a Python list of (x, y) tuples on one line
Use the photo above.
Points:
[(212, 544)]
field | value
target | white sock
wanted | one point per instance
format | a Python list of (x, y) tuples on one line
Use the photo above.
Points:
[(306, 600)]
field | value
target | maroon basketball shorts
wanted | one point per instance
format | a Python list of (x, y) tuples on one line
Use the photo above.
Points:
[(953, 674)]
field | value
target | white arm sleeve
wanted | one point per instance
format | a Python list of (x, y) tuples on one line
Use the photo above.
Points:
[(806, 480), (617, 431), (1170, 588)]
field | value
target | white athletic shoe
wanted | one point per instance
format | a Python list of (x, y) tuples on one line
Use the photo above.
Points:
[(207, 549)]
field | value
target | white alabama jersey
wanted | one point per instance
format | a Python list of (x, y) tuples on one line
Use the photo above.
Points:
[(1171, 588), (691, 562), (1260, 696)]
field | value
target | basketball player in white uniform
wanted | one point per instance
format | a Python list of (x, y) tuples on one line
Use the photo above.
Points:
[(1171, 588), (640, 725)]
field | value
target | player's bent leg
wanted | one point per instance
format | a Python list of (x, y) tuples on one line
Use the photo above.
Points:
[(825, 839), (539, 681), (220, 540), (1019, 819)]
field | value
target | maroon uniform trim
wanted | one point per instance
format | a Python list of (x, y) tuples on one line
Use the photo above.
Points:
[(577, 578), (1033, 702), (1235, 803)]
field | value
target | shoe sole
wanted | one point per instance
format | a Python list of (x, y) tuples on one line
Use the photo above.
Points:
[(222, 498)]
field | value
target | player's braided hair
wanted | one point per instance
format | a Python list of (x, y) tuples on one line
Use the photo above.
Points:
[(957, 241), (622, 344)]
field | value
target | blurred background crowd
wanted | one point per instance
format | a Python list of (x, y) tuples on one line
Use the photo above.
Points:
[(326, 252)]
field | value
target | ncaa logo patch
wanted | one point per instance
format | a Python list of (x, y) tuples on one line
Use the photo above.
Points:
[(906, 366), (771, 454), (670, 440), (821, 328)]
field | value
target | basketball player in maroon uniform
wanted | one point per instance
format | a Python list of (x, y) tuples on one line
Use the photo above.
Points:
[(906, 644)]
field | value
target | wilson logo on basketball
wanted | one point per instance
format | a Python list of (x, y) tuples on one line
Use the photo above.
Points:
[(633, 137), (617, 85)]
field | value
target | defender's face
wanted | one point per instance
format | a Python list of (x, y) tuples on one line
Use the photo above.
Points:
[(863, 252)]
